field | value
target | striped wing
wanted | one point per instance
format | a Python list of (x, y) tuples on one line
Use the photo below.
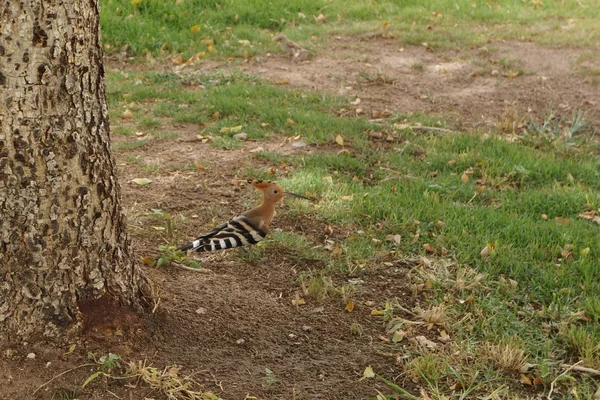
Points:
[(237, 232)]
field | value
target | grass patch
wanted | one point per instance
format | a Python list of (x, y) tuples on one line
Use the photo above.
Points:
[(244, 29), (499, 258)]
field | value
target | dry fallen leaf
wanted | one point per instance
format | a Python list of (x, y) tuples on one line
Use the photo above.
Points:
[(469, 301), (539, 381), (562, 220), (349, 306), (232, 129), (177, 60), (328, 229), (368, 373), (146, 260), (199, 166), (355, 102), (429, 248), (464, 178), (394, 238), (321, 18), (485, 252), (544, 217), (398, 336), (423, 341), (298, 301), (142, 181), (444, 337), (291, 122), (339, 140), (597, 394), (525, 380), (127, 114)]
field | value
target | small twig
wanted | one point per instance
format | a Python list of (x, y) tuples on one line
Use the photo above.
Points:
[(570, 367), (585, 370), (182, 266), (109, 392), (61, 374)]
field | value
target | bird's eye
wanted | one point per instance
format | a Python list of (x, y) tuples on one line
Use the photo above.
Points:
[(275, 191)]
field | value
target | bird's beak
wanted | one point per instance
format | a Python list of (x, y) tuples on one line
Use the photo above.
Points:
[(296, 195)]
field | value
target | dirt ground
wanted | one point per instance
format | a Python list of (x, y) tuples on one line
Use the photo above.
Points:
[(230, 324)]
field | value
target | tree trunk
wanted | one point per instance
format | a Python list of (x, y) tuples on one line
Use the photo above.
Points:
[(63, 239)]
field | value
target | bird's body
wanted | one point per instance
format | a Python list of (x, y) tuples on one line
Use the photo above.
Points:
[(292, 48), (248, 228)]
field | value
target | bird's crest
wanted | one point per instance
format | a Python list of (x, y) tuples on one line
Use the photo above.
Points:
[(259, 183)]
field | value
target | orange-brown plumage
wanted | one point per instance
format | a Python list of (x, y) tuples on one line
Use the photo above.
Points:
[(248, 228)]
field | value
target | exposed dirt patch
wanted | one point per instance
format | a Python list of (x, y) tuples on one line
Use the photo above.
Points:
[(461, 85), (232, 323)]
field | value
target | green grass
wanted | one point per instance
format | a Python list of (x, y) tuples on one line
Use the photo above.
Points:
[(238, 29), (407, 187), (535, 295)]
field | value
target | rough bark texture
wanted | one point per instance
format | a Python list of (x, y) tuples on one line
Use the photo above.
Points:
[(62, 232)]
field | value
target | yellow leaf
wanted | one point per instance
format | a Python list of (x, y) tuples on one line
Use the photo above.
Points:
[(525, 380), (298, 301), (232, 129), (349, 306), (368, 373), (376, 313), (134, 2), (291, 122), (177, 60), (429, 248), (215, 116), (195, 28), (211, 49), (199, 166), (464, 178), (585, 251), (202, 54), (401, 127), (339, 140), (283, 82), (348, 198), (146, 260), (142, 181)]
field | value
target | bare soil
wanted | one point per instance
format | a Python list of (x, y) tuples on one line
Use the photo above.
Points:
[(232, 322)]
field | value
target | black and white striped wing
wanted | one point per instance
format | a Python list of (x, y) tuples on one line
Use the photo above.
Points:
[(237, 232)]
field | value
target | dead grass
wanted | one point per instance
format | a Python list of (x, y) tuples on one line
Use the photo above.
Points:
[(168, 381), (508, 356)]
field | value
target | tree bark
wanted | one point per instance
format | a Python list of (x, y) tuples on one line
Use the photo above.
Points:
[(62, 231)]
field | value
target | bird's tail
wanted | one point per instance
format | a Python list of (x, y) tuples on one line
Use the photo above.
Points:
[(195, 245)]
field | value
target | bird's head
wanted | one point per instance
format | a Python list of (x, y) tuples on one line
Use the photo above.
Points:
[(272, 191), (279, 38)]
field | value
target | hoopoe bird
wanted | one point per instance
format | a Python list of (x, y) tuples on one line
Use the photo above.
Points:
[(246, 229), (292, 48)]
